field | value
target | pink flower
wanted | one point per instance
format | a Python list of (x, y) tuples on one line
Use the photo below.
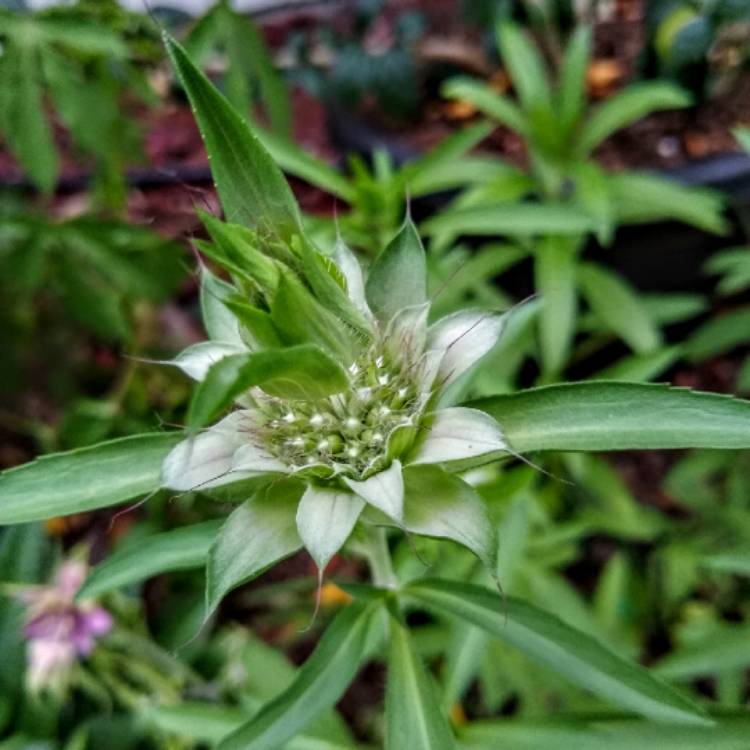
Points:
[(58, 629)]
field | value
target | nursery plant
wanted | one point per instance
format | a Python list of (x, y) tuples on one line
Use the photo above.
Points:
[(375, 195), (249, 72), (703, 45), (566, 195), (72, 286), (338, 426), (85, 69)]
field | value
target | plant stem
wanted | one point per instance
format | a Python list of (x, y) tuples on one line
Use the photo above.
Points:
[(379, 557)]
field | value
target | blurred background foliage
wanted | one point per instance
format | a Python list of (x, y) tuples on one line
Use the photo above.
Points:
[(589, 155)]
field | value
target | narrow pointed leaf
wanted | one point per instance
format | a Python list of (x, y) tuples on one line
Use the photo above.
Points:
[(639, 197), (518, 219), (321, 681), (259, 533), (608, 416), (211, 722), (251, 187), (180, 549), (554, 272), (573, 654), (587, 733), (619, 307), (628, 106), (412, 713), (84, 479), (572, 94), (397, 278), (294, 160), (487, 101), (24, 121), (525, 65)]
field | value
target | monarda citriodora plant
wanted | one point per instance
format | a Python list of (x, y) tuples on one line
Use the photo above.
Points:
[(339, 415)]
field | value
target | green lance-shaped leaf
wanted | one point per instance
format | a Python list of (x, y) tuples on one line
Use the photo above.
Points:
[(573, 654), (638, 197), (398, 277), (259, 533), (180, 549), (487, 101), (610, 416), (719, 335), (736, 563), (320, 682), (554, 271), (84, 479), (294, 160), (211, 722), (587, 733), (526, 67), (515, 220), (24, 121), (413, 718), (619, 307), (251, 187), (297, 372), (572, 89), (628, 106)]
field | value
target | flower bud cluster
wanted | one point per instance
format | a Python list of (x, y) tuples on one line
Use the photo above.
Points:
[(347, 432)]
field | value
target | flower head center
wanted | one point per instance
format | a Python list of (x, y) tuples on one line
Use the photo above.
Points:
[(348, 432)]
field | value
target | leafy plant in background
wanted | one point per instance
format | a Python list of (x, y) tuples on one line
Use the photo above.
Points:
[(72, 671), (727, 331), (295, 338), (61, 56), (249, 74), (377, 195), (67, 281), (384, 71), (701, 44), (571, 195)]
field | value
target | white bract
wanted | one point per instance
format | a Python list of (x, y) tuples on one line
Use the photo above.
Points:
[(359, 447)]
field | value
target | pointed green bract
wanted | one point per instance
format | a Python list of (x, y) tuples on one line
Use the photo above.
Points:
[(251, 187), (259, 533), (573, 654), (237, 245), (297, 372), (84, 479), (398, 277), (301, 319), (219, 322), (442, 505), (412, 713), (325, 519)]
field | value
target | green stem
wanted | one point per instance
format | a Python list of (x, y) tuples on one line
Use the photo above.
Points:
[(379, 557)]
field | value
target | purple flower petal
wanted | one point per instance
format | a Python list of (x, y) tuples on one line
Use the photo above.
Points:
[(98, 621)]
